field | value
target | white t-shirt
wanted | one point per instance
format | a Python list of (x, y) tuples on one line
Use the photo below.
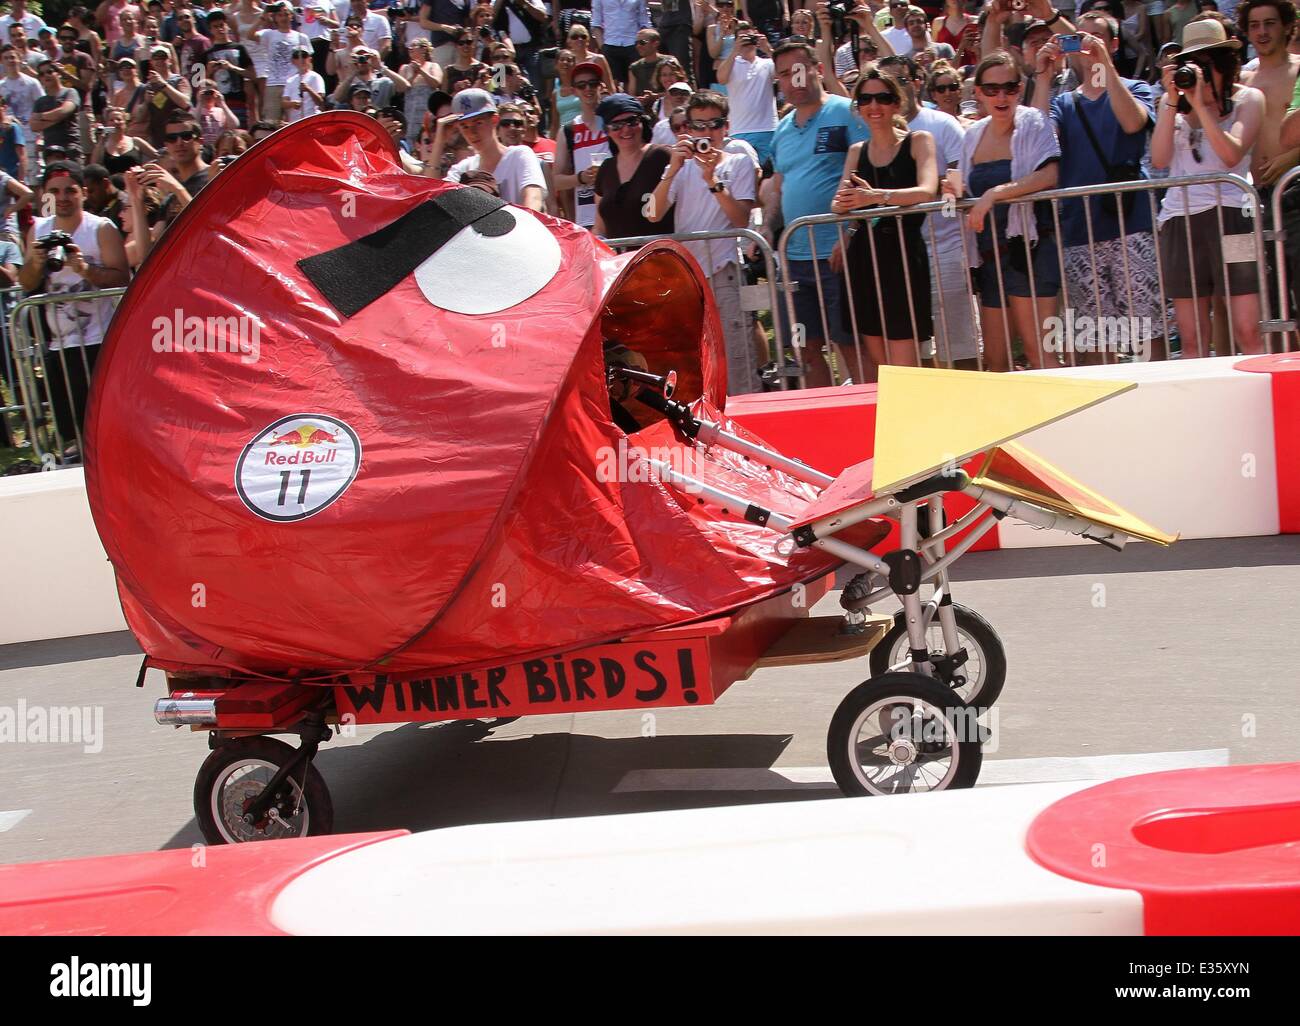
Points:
[(21, 93), (279, 53), (31, 23), (374, 29), (662, 134), (518, 168), (753, 104), (293, 91), (948, 135), (312, 26), (695, 209), (899, 40), (589, 146)]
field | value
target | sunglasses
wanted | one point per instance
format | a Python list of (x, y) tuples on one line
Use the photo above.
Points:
[(512, 123), (181, 136), (954, 88), (587, 83), (643, 42), (704, 126), (993, 88), (624, 124), (884, 99)]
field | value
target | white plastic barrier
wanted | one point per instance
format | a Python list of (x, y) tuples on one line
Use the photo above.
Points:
[(947, 863), (1190, 450), (58, 582)]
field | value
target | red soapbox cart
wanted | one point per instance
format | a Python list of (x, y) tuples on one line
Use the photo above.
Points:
[(420, 455)]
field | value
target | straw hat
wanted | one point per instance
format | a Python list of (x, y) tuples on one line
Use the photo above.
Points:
[(1204, 35)]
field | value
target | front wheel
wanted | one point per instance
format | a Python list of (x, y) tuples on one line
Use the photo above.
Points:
[(978, 681), (236, 773), (903, 733)]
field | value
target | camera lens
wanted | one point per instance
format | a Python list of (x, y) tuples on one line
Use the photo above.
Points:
[(1185, 76)]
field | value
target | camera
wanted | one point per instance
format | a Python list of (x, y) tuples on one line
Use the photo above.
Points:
[(839, 12), (56, 250), (527, 92), (701, 145), (1071, 43), (1185, 75)]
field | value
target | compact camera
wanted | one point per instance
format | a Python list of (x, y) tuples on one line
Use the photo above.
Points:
[(701, 145)]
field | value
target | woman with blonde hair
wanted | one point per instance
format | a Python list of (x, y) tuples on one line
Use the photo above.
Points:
[(887, 278)]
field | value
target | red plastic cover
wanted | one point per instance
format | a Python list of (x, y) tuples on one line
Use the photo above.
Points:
[(434, 480)]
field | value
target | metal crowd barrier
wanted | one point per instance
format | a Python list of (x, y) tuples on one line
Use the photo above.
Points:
[(53, 346), (959, 299), (10, 399), (753, 298), (1278, 233)]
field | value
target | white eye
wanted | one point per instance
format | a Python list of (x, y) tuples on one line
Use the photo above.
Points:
[(512, 266)]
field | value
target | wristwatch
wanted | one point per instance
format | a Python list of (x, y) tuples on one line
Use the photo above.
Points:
[(717, 186)]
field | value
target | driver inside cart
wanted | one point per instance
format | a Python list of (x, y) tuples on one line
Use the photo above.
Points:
[(620, 389)]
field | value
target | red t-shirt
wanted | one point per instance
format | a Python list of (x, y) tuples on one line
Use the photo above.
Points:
[(545, 149)]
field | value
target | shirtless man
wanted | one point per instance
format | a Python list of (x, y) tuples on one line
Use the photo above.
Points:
[(1268, 25)]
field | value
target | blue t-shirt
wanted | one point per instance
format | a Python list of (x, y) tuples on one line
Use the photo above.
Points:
[(11, 141), (810, 160), (1080, 164)]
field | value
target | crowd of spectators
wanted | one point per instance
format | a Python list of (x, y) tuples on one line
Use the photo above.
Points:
[(635, 119)]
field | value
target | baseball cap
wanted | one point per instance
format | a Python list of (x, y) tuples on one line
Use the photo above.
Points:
[(470, 103), (588, 66), (359, 87), (680, 87), (160, 51), (301, 51)]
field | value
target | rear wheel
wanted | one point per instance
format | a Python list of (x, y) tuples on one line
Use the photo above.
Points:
[(978, 681), (237, 772), (903, 733)]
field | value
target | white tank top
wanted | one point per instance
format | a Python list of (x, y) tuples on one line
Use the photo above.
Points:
[(1194, 199), (76, 323)]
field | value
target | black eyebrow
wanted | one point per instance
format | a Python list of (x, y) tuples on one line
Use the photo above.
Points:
[(354, 275)]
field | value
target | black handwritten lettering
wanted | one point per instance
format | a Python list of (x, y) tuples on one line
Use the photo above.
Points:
[(582, 672), (540, 687), (472, 701), (422, 695), (614, 675), (686, 667), (371, 697), (448, 693), (645, 661), (495, 676)]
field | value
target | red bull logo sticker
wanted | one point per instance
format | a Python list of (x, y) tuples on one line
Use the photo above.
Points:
[(297, 466)]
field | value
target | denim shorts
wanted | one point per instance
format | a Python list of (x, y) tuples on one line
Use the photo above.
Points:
[(807, 310), (1046, 269)]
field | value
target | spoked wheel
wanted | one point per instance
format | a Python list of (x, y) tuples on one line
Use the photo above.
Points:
[(236, 773), (903, 733), (976, 682)]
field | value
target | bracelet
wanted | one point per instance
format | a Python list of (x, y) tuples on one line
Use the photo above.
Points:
[(1055, 17)]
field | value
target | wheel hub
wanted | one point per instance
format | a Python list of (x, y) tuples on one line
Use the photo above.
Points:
[(902, 752)]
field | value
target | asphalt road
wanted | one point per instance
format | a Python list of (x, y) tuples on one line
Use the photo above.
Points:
[(1177, 657)]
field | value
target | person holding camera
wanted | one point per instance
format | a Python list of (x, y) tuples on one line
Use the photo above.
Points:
[(1102, 126), (524, 23), (367, 70), (708, 188), (1207, 123), (749, 75), (304, 92), (230, 65), (72, 251)]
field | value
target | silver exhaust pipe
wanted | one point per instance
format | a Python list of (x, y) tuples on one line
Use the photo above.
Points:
[(186, 711)]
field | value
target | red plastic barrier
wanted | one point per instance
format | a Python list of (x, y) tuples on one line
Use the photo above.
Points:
[(217, 890), (1284, 369), (831, 429), (1211, 851)]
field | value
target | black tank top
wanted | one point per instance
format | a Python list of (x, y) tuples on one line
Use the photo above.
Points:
[(899, 173)]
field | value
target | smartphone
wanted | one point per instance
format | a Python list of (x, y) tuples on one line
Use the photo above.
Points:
[(1071, 43)]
